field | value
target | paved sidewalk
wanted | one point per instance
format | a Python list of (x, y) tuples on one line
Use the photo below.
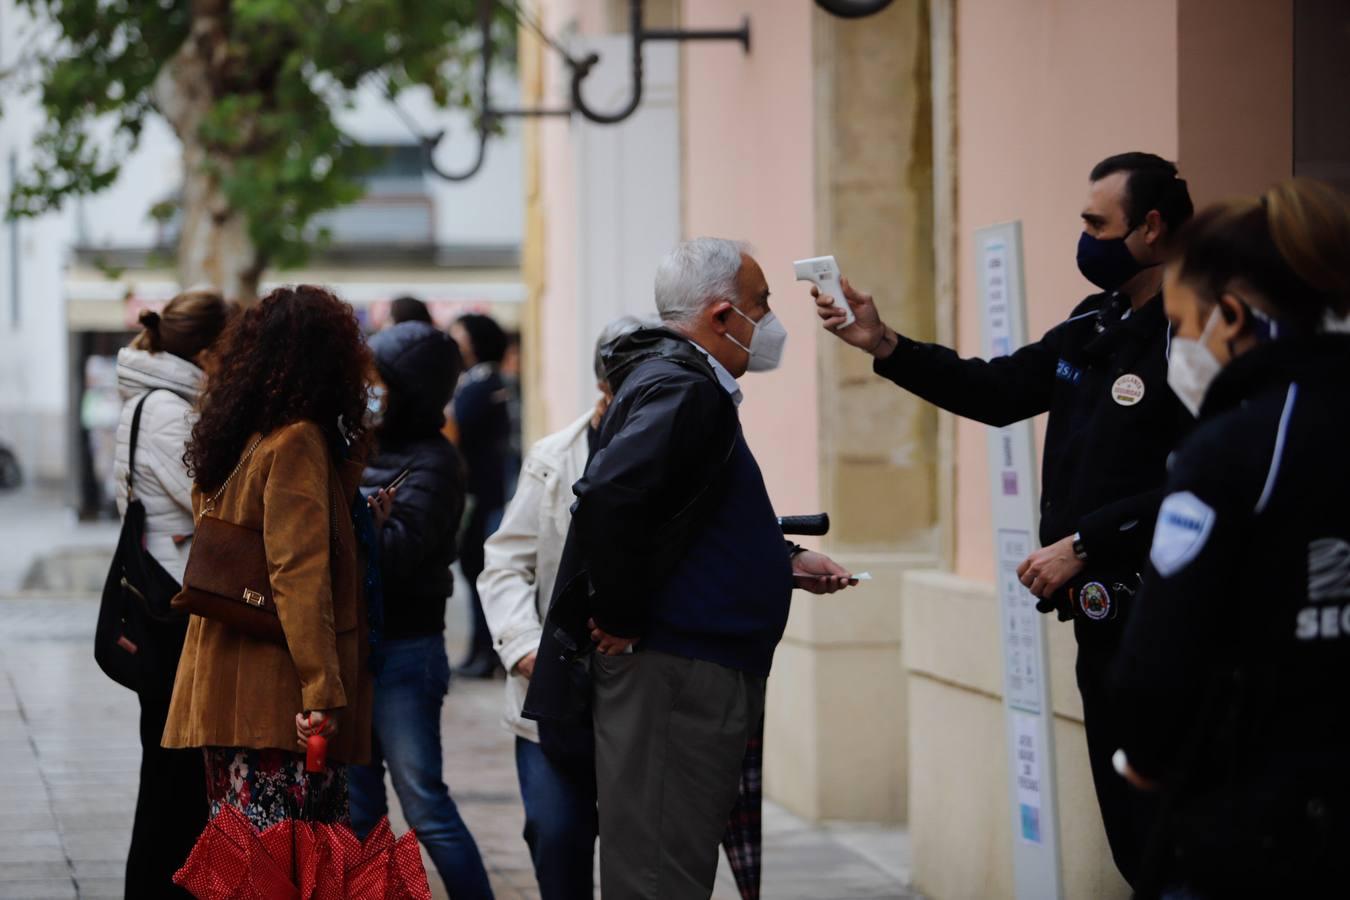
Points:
[(36, 524), (69, 756)]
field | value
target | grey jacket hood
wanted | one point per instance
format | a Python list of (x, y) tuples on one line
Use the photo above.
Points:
[(139, 371)]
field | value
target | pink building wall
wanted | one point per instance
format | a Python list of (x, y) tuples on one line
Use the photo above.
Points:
[(558, 205), (749, 174), (1045, 91)]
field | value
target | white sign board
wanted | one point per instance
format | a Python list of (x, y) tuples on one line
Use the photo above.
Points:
[(1026, 675)]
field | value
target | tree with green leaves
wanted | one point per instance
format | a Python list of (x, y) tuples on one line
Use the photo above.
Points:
[(251, 88)]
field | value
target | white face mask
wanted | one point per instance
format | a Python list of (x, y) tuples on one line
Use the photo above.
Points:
[(1192, 367), (766, 344), (375, 395)]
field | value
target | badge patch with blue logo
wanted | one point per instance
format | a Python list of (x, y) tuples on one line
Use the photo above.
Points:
[(1067, 371), (1184, 524)]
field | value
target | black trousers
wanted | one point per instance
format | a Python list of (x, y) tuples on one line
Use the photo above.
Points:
[(171, 809), (1129, 815), (481, 525)]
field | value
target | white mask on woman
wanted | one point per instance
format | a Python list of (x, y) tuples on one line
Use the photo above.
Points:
[(766, 344), (1192, 367)]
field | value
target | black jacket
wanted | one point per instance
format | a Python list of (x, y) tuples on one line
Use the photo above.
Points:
[(483, 418), (1104, 461), (419, 366), (1234, 672), (665, 439)]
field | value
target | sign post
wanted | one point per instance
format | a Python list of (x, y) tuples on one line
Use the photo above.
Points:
[(1026, 676)]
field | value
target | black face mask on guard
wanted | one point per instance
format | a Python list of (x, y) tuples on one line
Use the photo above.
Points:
[(1107, 262)]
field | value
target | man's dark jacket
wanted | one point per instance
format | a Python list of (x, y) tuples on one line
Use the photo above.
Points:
[(483, 417), (1102, 376), (1105, 460), (636, 510), (419, 366)]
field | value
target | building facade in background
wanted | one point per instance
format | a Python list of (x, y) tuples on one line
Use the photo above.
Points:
[(74, 282), (887, 141)]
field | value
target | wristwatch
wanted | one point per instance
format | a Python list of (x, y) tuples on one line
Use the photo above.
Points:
[(1078, 549)]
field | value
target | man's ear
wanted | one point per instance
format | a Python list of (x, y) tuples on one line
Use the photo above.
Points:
[(717, 315), (1153, 228)]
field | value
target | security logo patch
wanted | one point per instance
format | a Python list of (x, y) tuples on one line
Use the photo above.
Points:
[(1095, 601), (1184, 524), (1328, 570)]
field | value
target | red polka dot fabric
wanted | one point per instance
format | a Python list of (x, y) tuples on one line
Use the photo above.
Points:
[(295, 860)]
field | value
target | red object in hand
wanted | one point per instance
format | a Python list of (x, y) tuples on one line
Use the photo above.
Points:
[(316, 753)]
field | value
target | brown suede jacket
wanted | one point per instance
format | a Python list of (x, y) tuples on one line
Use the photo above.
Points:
[(233, 691)]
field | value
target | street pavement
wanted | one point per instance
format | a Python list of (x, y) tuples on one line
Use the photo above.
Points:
[(69, 755)]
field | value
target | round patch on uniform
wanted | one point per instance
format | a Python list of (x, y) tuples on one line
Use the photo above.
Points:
[(1128, 390), (1095, 601)]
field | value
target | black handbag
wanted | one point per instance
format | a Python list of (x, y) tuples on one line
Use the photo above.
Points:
[(138, 638)]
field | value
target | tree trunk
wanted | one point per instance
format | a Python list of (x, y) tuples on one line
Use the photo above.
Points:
[(214, 247)]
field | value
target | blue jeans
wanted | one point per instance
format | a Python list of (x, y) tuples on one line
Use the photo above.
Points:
[(408, 694), (560, 823)]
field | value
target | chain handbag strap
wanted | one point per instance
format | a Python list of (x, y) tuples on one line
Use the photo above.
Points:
[(333, 500), (211, 504)]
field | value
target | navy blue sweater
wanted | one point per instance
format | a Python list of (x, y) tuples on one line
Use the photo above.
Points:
[(727, 599)]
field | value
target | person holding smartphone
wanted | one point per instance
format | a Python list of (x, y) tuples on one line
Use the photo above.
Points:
[(417, 476)]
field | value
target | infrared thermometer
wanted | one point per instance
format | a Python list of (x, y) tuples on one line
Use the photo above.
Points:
[(824, 271)]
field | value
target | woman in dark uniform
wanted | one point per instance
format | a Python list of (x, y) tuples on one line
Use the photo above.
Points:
[(1236, 662)]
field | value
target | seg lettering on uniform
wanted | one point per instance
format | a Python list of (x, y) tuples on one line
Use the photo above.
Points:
[(1328, 582)]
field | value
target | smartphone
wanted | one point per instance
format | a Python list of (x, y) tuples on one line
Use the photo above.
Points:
[(398, 479)]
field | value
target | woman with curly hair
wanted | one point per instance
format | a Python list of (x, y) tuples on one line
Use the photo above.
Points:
[(279, 448)]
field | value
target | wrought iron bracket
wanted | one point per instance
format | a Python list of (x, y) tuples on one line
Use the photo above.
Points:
[(485, 123), (640, 35), (853, 9), (489, 115)]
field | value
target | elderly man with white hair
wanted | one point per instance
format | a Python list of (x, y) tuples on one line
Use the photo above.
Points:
[(677, 575)]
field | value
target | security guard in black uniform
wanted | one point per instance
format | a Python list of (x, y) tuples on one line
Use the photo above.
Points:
[(1232, 679), (1102, 376)]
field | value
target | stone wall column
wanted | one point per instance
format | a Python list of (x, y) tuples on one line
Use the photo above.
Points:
[(837, 741)]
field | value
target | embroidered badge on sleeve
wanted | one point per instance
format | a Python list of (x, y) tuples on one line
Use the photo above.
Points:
[(1184, 524)]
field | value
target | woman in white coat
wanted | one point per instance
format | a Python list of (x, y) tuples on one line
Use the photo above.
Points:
[(522, 559), (164, 365)]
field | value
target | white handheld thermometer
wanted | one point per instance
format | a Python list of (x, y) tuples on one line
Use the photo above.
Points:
[(824, 271)]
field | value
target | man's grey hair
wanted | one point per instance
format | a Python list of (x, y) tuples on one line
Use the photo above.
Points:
[(616, 329), (695, 274)]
